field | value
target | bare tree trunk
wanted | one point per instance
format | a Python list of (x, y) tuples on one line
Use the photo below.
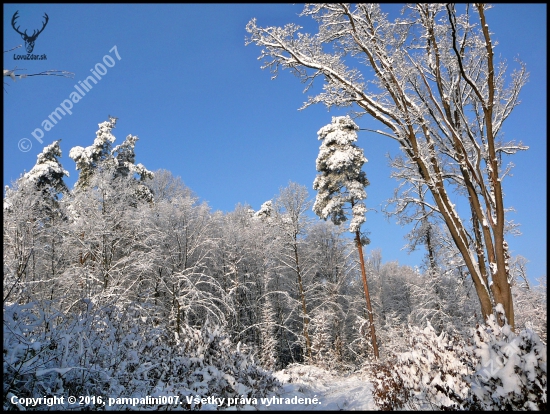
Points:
[(367, 296), (303, 300)]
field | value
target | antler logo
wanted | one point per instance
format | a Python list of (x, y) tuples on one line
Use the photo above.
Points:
[(29, 40)]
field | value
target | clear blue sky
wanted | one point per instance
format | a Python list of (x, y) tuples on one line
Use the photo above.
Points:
[(196, 97)]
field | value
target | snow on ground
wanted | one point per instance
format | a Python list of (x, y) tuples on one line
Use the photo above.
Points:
[(320, 390)]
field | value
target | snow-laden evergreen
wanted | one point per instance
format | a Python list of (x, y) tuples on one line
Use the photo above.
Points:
[(48, 172), (88, 159), (265, 211), (342, 181), (46, 177)]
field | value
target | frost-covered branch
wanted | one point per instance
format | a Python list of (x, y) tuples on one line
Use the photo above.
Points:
[(432, 81)]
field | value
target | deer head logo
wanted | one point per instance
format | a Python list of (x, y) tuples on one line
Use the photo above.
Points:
[(29, 40)]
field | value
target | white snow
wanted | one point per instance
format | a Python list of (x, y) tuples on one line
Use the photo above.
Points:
[(320, 390)]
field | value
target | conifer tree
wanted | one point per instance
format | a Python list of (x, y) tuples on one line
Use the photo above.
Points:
[(47, 174), (120, 160), (88, 159), (341, 186), (33, 220)]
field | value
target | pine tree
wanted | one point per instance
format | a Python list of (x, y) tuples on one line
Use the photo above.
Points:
[(125, 157), (33, 220), (118, 161), (47, 175), (341, 185), (90, 158)]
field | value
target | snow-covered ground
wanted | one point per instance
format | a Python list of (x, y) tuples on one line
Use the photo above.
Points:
[(320, 390)]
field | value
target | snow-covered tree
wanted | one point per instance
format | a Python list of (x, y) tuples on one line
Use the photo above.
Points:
[(45, 177), (21, 230), (120, 161), (391, 298), (321, 340), (341, 186), (88, 159), (165, 186), (443, 301), (234, 267), (47, 174), (106, 240), (332, 294), (291, 222), (180, 237), (433, 84), (34, 220), (268, 334), (263, 255), (125, 157), (265, 211), (532, 304)]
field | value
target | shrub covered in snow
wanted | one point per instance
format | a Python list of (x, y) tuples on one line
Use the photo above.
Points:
[(431, 374), (121, 353), (501, 370), (389, 392), (511, 369)]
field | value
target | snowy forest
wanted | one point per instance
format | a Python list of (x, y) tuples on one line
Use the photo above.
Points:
[(128, 289)]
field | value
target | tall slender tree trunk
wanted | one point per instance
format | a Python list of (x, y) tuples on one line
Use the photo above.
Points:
[(367, 296), (305, 316)]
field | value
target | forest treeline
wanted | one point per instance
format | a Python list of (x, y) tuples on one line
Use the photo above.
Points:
[(130, 276)]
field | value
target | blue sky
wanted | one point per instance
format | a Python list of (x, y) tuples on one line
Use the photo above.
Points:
[(196, 97)]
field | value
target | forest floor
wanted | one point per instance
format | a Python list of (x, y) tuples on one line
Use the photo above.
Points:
[(321, 390)]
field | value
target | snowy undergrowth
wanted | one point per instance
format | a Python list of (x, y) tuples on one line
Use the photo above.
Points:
[(500, 370), (511, 371), (107, 353)]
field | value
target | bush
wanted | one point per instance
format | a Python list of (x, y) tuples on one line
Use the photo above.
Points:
[(119, 353), (389, 392), (436, 367), (499, 371), (511, 369)]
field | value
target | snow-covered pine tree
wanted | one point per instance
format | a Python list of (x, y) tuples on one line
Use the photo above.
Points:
[(120, 160), (265, 212), (46, 177), (125, 157), (88, 159), (47, 174), (341, 187)]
